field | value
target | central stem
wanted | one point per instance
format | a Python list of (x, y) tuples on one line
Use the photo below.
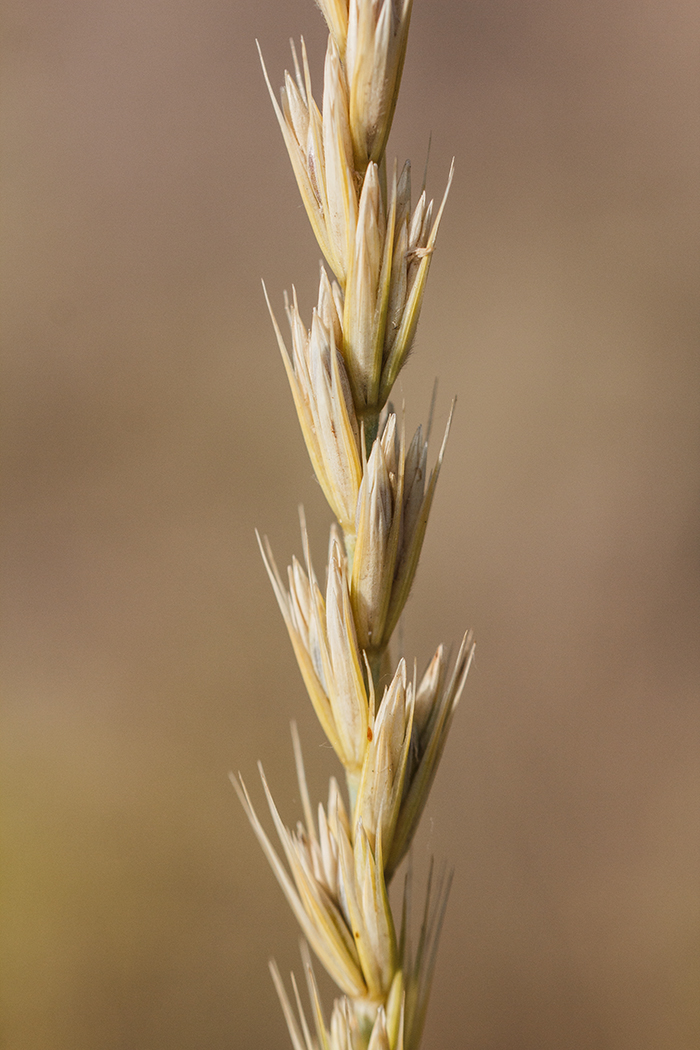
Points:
[(375, 659), (371, 426)]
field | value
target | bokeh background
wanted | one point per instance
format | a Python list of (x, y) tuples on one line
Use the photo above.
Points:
[(148, 430)]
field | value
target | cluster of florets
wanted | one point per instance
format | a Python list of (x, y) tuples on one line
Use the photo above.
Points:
[(387, 728)]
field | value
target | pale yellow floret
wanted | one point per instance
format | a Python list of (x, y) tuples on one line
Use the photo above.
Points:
[(383, 771), (429, 744), (323, 638)]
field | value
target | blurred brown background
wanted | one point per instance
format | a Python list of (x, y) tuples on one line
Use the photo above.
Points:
[(148, 430)]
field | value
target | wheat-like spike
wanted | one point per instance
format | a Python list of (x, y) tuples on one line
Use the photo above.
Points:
[(387, 729)]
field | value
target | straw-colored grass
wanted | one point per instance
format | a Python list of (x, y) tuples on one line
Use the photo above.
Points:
[(334, 870)]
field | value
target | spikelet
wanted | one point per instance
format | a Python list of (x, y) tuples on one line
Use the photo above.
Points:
[(388, 729), (379, 250)]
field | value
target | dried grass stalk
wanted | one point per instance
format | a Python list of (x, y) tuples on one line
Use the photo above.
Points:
[(334, 870)]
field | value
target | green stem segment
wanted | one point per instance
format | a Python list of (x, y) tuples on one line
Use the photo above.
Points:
[(371, 428), (375, 659)]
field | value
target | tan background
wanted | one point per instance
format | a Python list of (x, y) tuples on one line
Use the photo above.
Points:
[(148, 430)]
